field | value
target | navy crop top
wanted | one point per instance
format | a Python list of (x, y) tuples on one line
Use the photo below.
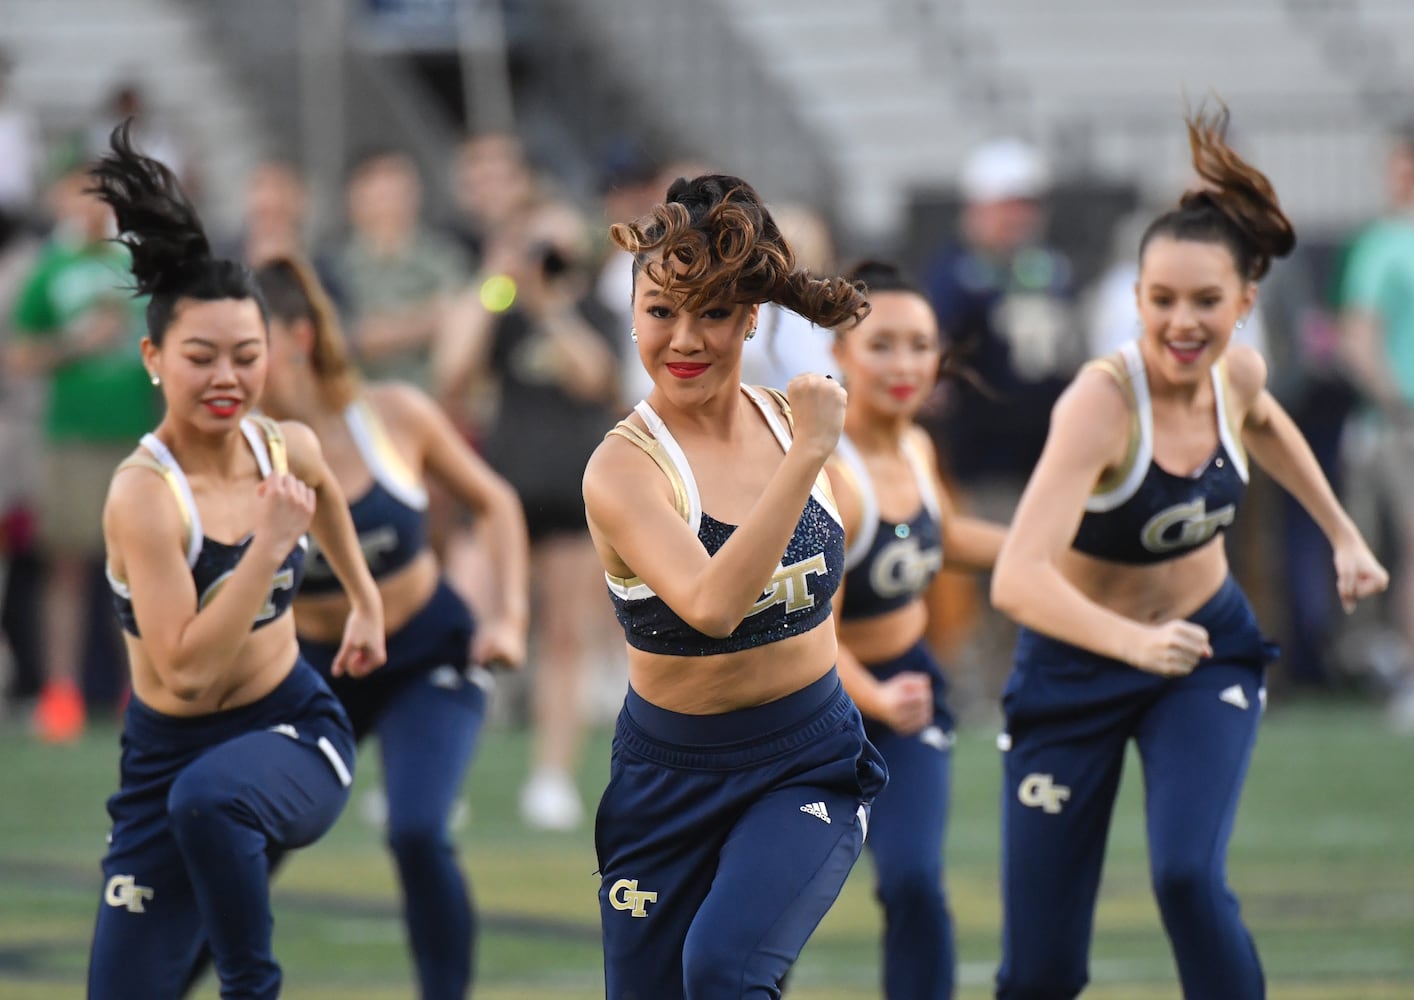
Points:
[(809, 573), (890, 563), (1145, 514), (211, 561), (390, 518)]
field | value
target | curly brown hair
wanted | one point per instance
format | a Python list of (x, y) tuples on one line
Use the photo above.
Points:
[(712, 240), (1237, 205)]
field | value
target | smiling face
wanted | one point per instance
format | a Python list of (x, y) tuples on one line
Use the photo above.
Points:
[(690, 355), (1190, 299), (212, 362), (890, 360)]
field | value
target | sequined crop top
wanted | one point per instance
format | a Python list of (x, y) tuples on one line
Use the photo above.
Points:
[(212, 562), (798, 598), (390, 518), (1145, 514), (890, 563)]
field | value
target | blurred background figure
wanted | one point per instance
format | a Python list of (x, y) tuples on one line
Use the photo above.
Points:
[(397, 274), (631, 183), (78, 328), (1377, 326), (19, 152), (493, 186), (152, 129), (532, 326), (1005, 300)]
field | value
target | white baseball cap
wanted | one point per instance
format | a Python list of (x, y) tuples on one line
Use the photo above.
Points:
[(1004, 169)]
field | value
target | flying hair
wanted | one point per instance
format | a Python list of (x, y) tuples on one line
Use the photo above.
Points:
[(171, 255), (713, 241), (1236, 204)]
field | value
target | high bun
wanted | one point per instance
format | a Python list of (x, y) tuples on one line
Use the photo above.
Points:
[(171, 255), (712, 240), (1236, 205)]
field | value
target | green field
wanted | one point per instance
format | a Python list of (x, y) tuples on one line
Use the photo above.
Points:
[(1323, 861)]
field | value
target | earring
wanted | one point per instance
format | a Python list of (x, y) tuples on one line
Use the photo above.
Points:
[(633, 332), (156, 379), (751, 333), (1242, 322)]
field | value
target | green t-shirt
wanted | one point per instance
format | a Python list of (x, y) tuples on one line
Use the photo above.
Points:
[(103, 397), (1379, 279)]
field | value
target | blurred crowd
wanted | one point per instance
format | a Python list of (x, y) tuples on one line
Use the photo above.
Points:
[(514, 312)]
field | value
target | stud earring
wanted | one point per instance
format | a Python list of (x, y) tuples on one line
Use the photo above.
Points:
[(156, 379), (1242, 322), (751, 333), (633, 332)]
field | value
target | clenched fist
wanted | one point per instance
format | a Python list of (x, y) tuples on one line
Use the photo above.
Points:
[(817, 403)]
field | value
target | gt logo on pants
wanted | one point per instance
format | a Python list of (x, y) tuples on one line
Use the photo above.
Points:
[(625, 895), (1039, 791), (123, 890)]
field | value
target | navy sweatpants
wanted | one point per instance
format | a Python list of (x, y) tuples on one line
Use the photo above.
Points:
[(1069, 716), (202, 802), (427, 712), (906, 833), (723, 840)]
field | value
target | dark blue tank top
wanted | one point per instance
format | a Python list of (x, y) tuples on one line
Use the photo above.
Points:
[(890, 563), (1146, 514), (212, 562), (390, 518), (798, 598)]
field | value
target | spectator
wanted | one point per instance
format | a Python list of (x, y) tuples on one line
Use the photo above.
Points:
[(19, 152), (1005, 302), (533, 327), (1377, 325), (398, 275), (77, 325)]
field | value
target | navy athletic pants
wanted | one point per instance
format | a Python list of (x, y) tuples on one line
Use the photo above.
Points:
[(723, 840), (203, 801), (427, 713), (906, 833), (1069, 716)]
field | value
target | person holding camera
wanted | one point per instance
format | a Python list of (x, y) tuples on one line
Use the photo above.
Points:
[(529, 325)]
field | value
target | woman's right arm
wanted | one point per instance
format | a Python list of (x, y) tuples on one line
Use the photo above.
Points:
[(629, 505), (1088, 432), (904, 702), (192, 649)]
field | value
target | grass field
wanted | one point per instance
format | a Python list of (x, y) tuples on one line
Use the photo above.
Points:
[(1323, 861)]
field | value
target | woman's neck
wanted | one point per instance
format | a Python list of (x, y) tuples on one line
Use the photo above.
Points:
[(875, 433), (217, 455), (717, 417)]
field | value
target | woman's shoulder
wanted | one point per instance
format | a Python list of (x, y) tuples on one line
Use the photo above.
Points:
[(1246, 371)]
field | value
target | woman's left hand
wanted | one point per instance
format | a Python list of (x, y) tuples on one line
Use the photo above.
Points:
[(499, 644), (1358, 574), (362, 650)]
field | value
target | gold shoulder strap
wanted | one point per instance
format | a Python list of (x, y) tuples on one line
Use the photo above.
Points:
[(1117, 371), (1230, 414), (274, 443), (783, 403), (654, 449), (145, 461)]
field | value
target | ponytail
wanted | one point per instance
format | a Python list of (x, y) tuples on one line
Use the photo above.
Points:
[(293, 292), (171, 255), (1236, 205)]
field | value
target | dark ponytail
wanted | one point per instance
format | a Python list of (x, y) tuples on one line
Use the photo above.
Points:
[(712, 240), (171, 256), (1237, 205)]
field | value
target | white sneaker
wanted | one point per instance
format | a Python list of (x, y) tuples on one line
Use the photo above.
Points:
[(550, 801)]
